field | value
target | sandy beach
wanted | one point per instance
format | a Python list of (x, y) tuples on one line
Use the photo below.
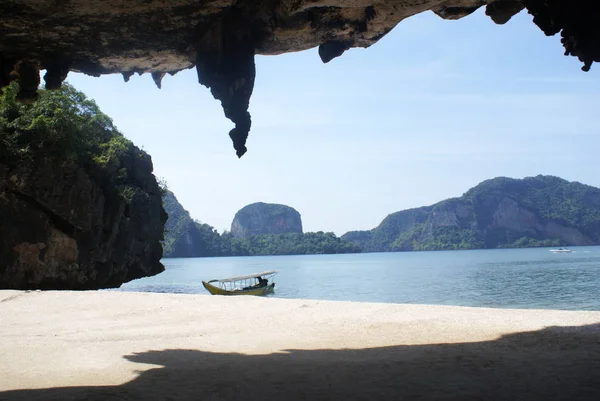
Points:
[(108, 345)]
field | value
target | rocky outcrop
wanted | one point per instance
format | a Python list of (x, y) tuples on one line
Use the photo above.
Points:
[(259, 230), (513, 217), (59, 229), (501, 212), (185, 237), (179, 229), (221, 37), (79, 205), (265, 218)]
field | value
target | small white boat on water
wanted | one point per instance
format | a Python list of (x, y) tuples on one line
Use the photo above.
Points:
[(561, 250)]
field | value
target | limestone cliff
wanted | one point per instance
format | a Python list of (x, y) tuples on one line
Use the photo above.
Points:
[(265, 218), (502, 212), (221, 37), (261, 229), (61, 229), (185, 237), (79, 205)]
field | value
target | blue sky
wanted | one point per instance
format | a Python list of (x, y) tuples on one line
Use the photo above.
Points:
[(429, 111)]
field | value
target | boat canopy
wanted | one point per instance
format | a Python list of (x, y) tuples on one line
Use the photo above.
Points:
[(239, 278)]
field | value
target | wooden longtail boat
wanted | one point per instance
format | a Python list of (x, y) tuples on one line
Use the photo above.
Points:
[(252, 284)]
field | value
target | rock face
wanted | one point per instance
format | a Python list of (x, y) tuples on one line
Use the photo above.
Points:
[(59, 229), (502, 212), (185, 237), (178, 241), (79, 205), (221, 37), (281, 226), (265, 218)]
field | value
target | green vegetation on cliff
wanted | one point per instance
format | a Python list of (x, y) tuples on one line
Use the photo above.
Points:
[(185, 237), (312, 243), (552, 198), (79, 205), (65, 125), (498, 213)]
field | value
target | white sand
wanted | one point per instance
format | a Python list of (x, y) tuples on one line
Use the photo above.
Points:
[(96, 345)]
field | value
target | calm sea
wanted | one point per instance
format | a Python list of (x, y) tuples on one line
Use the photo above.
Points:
[(513, 278)]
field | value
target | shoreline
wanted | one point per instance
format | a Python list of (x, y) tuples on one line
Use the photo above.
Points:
[(270, 296), (58, 344)]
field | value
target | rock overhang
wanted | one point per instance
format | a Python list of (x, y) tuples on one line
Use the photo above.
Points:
[(220, 38)]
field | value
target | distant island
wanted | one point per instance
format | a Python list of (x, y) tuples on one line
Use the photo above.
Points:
[(497, 213), (265, 218), (257, 229)]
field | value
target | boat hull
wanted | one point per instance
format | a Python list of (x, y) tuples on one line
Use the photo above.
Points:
[(252, 291)]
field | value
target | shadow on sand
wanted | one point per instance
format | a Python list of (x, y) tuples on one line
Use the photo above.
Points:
[(557, 363)]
